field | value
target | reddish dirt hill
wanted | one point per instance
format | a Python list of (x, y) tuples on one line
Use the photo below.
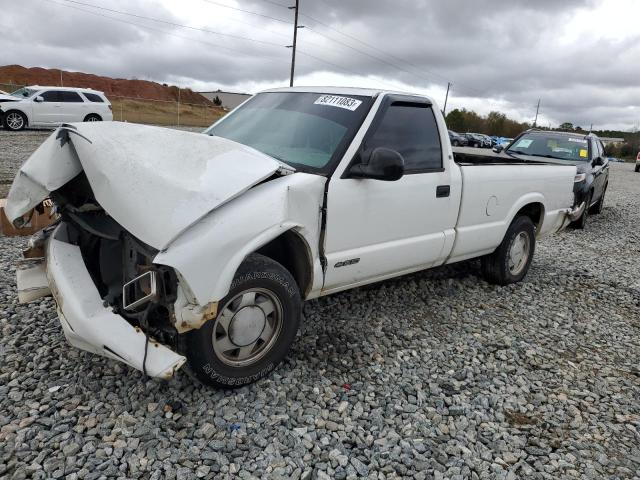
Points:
[(112, 87)]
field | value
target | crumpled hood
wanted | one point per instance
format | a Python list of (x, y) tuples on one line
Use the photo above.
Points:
[(155, 182)]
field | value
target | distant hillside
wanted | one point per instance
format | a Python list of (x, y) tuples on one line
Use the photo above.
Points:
[(16, 74)]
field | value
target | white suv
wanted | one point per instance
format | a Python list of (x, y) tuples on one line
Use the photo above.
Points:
[(50, 106)]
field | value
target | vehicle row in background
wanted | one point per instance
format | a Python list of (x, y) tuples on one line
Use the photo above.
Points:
[(51, 106), (458, 140)]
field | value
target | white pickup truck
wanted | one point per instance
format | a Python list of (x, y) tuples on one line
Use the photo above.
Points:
[(175, 246)]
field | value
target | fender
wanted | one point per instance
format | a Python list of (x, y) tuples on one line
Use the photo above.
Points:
[(208, 254)]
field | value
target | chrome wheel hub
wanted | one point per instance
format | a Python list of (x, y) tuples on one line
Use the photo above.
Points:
[(247, 327), (15, 120), (519, 253)]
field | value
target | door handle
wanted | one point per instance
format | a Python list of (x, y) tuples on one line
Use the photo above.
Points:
[(443, 191)]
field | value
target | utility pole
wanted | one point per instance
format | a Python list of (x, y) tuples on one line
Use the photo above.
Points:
[(535, 122), (295, 39), (446, 98), (178, 106)]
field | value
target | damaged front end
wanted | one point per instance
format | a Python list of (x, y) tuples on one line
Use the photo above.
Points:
[(112, 299), (123, 193)]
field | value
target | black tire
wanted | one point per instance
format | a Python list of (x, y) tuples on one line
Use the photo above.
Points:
[(476, 145), (92, 117), (455, 143), (582, 221), (597, 208), (637, 168), (269, 278), (496, 268), (11, 121)]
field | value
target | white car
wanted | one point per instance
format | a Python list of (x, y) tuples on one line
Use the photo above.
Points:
[(52, 106), (177, 246)]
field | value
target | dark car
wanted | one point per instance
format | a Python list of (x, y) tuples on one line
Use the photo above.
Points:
[(586, 152), (475, 140), (458, 140)]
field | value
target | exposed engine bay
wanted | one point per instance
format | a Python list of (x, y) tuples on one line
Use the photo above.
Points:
[(119, 264)]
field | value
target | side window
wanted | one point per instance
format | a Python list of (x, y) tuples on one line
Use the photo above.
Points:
[(595, 149), (70, 97), (92, 97), (50, 96), (410, 128)]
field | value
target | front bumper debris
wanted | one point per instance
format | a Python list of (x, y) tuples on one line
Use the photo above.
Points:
[(576, 212), (86, 322)]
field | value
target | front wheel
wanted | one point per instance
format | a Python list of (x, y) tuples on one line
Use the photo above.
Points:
[(512, 259), (597, 208), (637, 168), (455, 143), (582, 221), (256, 324), (14, 121)]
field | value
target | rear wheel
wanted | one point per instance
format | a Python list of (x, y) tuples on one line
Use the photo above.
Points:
[(512, 259), (637, 168), (14, 120), (256, 324), (93, 117)]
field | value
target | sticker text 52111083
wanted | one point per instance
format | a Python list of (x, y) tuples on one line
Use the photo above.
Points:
[(340, 102)]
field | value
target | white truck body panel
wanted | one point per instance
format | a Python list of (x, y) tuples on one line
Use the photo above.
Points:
[(205, 203), (493, 194)]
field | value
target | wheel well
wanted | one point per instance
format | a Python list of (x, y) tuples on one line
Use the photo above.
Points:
[(535, 211), (92, 115), (292, 252)]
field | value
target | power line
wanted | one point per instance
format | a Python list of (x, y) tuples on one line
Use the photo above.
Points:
[(121, 20), (248, 11), (217, 45), (173, 24)]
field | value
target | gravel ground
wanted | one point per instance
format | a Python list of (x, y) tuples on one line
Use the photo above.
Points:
[(433, 375)]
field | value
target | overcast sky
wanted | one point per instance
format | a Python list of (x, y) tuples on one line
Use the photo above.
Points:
[(580, 57)]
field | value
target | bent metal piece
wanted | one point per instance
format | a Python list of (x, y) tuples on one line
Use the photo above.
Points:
[(576, 212), (88, 325)]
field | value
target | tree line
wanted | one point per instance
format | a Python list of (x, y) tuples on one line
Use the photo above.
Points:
[(498, 124)]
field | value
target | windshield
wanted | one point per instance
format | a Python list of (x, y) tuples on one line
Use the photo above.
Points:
[(23, 92), (573, 148), (305, 130)]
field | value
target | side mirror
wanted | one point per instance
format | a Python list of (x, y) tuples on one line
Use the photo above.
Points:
[(598, 162), (498, 148), (383, 164), (38, 99)]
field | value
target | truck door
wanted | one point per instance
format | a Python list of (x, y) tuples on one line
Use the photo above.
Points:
[(377, 229)]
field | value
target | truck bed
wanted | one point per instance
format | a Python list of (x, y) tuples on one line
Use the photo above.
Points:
[(485, 156)]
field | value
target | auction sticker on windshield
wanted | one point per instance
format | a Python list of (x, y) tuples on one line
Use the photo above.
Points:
[(340, 102)]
